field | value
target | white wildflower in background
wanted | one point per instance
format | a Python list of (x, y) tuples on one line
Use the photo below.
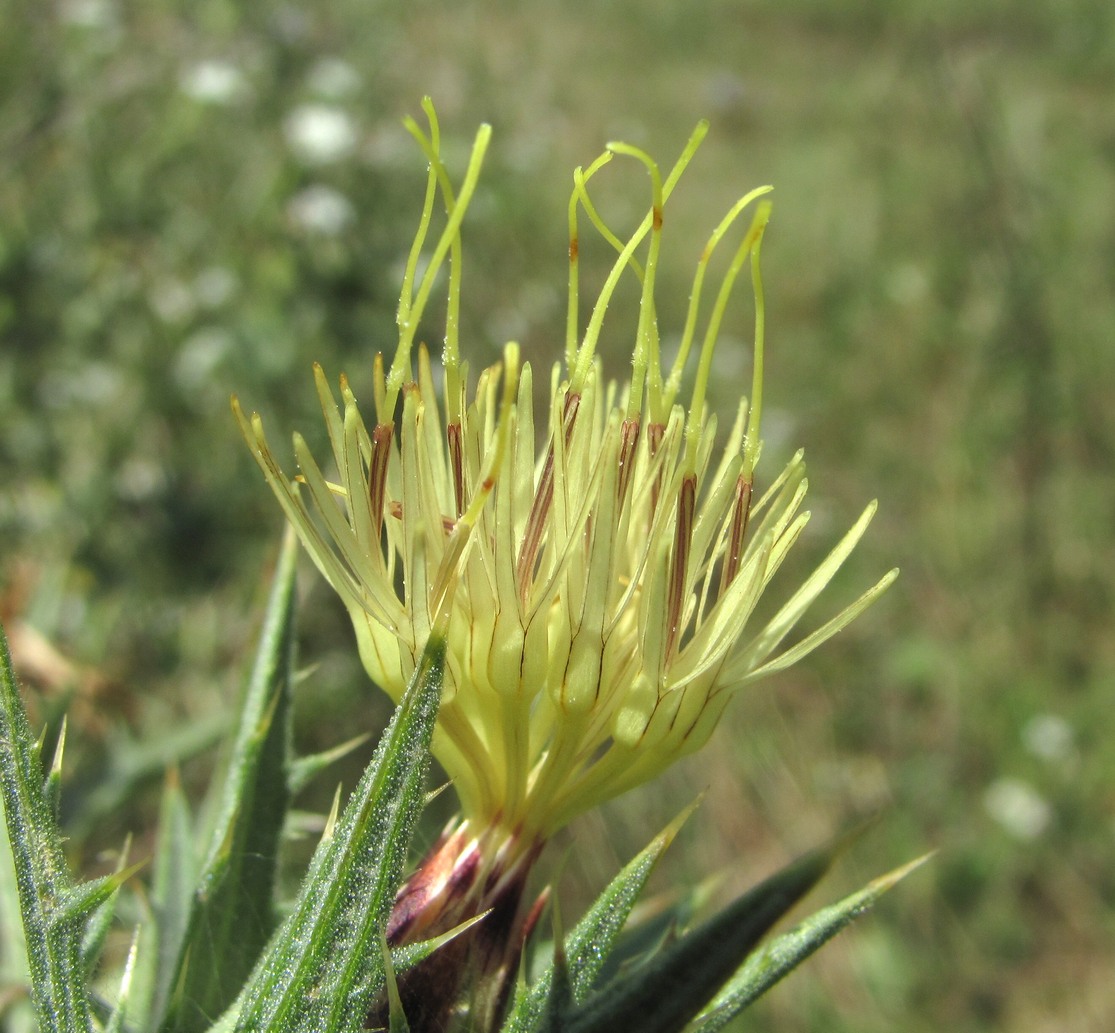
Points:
[(1018, 808), (214, 286), (172, 300), (1050, 737), (139, 478), (199, 356), (213, 82), (320, 134), (333, 78), (89, 14), (321, 209)]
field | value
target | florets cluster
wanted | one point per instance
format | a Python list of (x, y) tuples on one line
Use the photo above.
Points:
[(597, 590)]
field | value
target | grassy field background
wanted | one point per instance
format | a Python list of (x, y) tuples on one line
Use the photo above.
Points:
[(201, 198)]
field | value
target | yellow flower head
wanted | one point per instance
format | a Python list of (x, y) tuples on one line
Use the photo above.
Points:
[(597, 593)]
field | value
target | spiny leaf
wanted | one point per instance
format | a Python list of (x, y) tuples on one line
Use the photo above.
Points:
[(230, 918), (77, 903), (409, 955), (58, 987), (303, 769), (99, 923), (16, 1013), (397, 1020), (53, 787), (115, 1022), (668, 990), (324, 966), (591, 941), (160, 943), (775, 959), (656, 923), (560, 999)]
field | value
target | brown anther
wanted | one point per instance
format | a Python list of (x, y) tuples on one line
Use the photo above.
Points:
[(679, 563), (628, 443), (737, 532), (457, 462), (540, 508), (377, 474), (395, 509), (655, 433)]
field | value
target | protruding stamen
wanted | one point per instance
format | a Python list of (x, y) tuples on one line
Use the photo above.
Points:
[(646, 336), (410, 311), (580, 177), (752, 440), (712, 331)]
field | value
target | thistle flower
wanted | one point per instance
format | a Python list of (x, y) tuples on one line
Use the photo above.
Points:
[(598, 593), (598, 596)]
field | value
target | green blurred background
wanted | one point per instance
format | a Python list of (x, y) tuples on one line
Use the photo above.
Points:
[(202, 197)]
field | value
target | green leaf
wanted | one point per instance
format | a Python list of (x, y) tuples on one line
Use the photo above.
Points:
[(78, 903), (53, 936), (53, 785), (16, 1013), (590, 943), (409, 955), (324, 966), (161, 937), (231, 916), (669, 989), (304, 769), (775, 959), (559, 1002), (656, 924), (93, 904), (396, 1017), (99, 923), (115, 1023)]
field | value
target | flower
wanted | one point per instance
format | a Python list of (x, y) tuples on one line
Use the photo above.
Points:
[(320, 134), (1049, 737), (597, 595), (1018, 808), (333, 78), (213, 82), (319, 209)]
